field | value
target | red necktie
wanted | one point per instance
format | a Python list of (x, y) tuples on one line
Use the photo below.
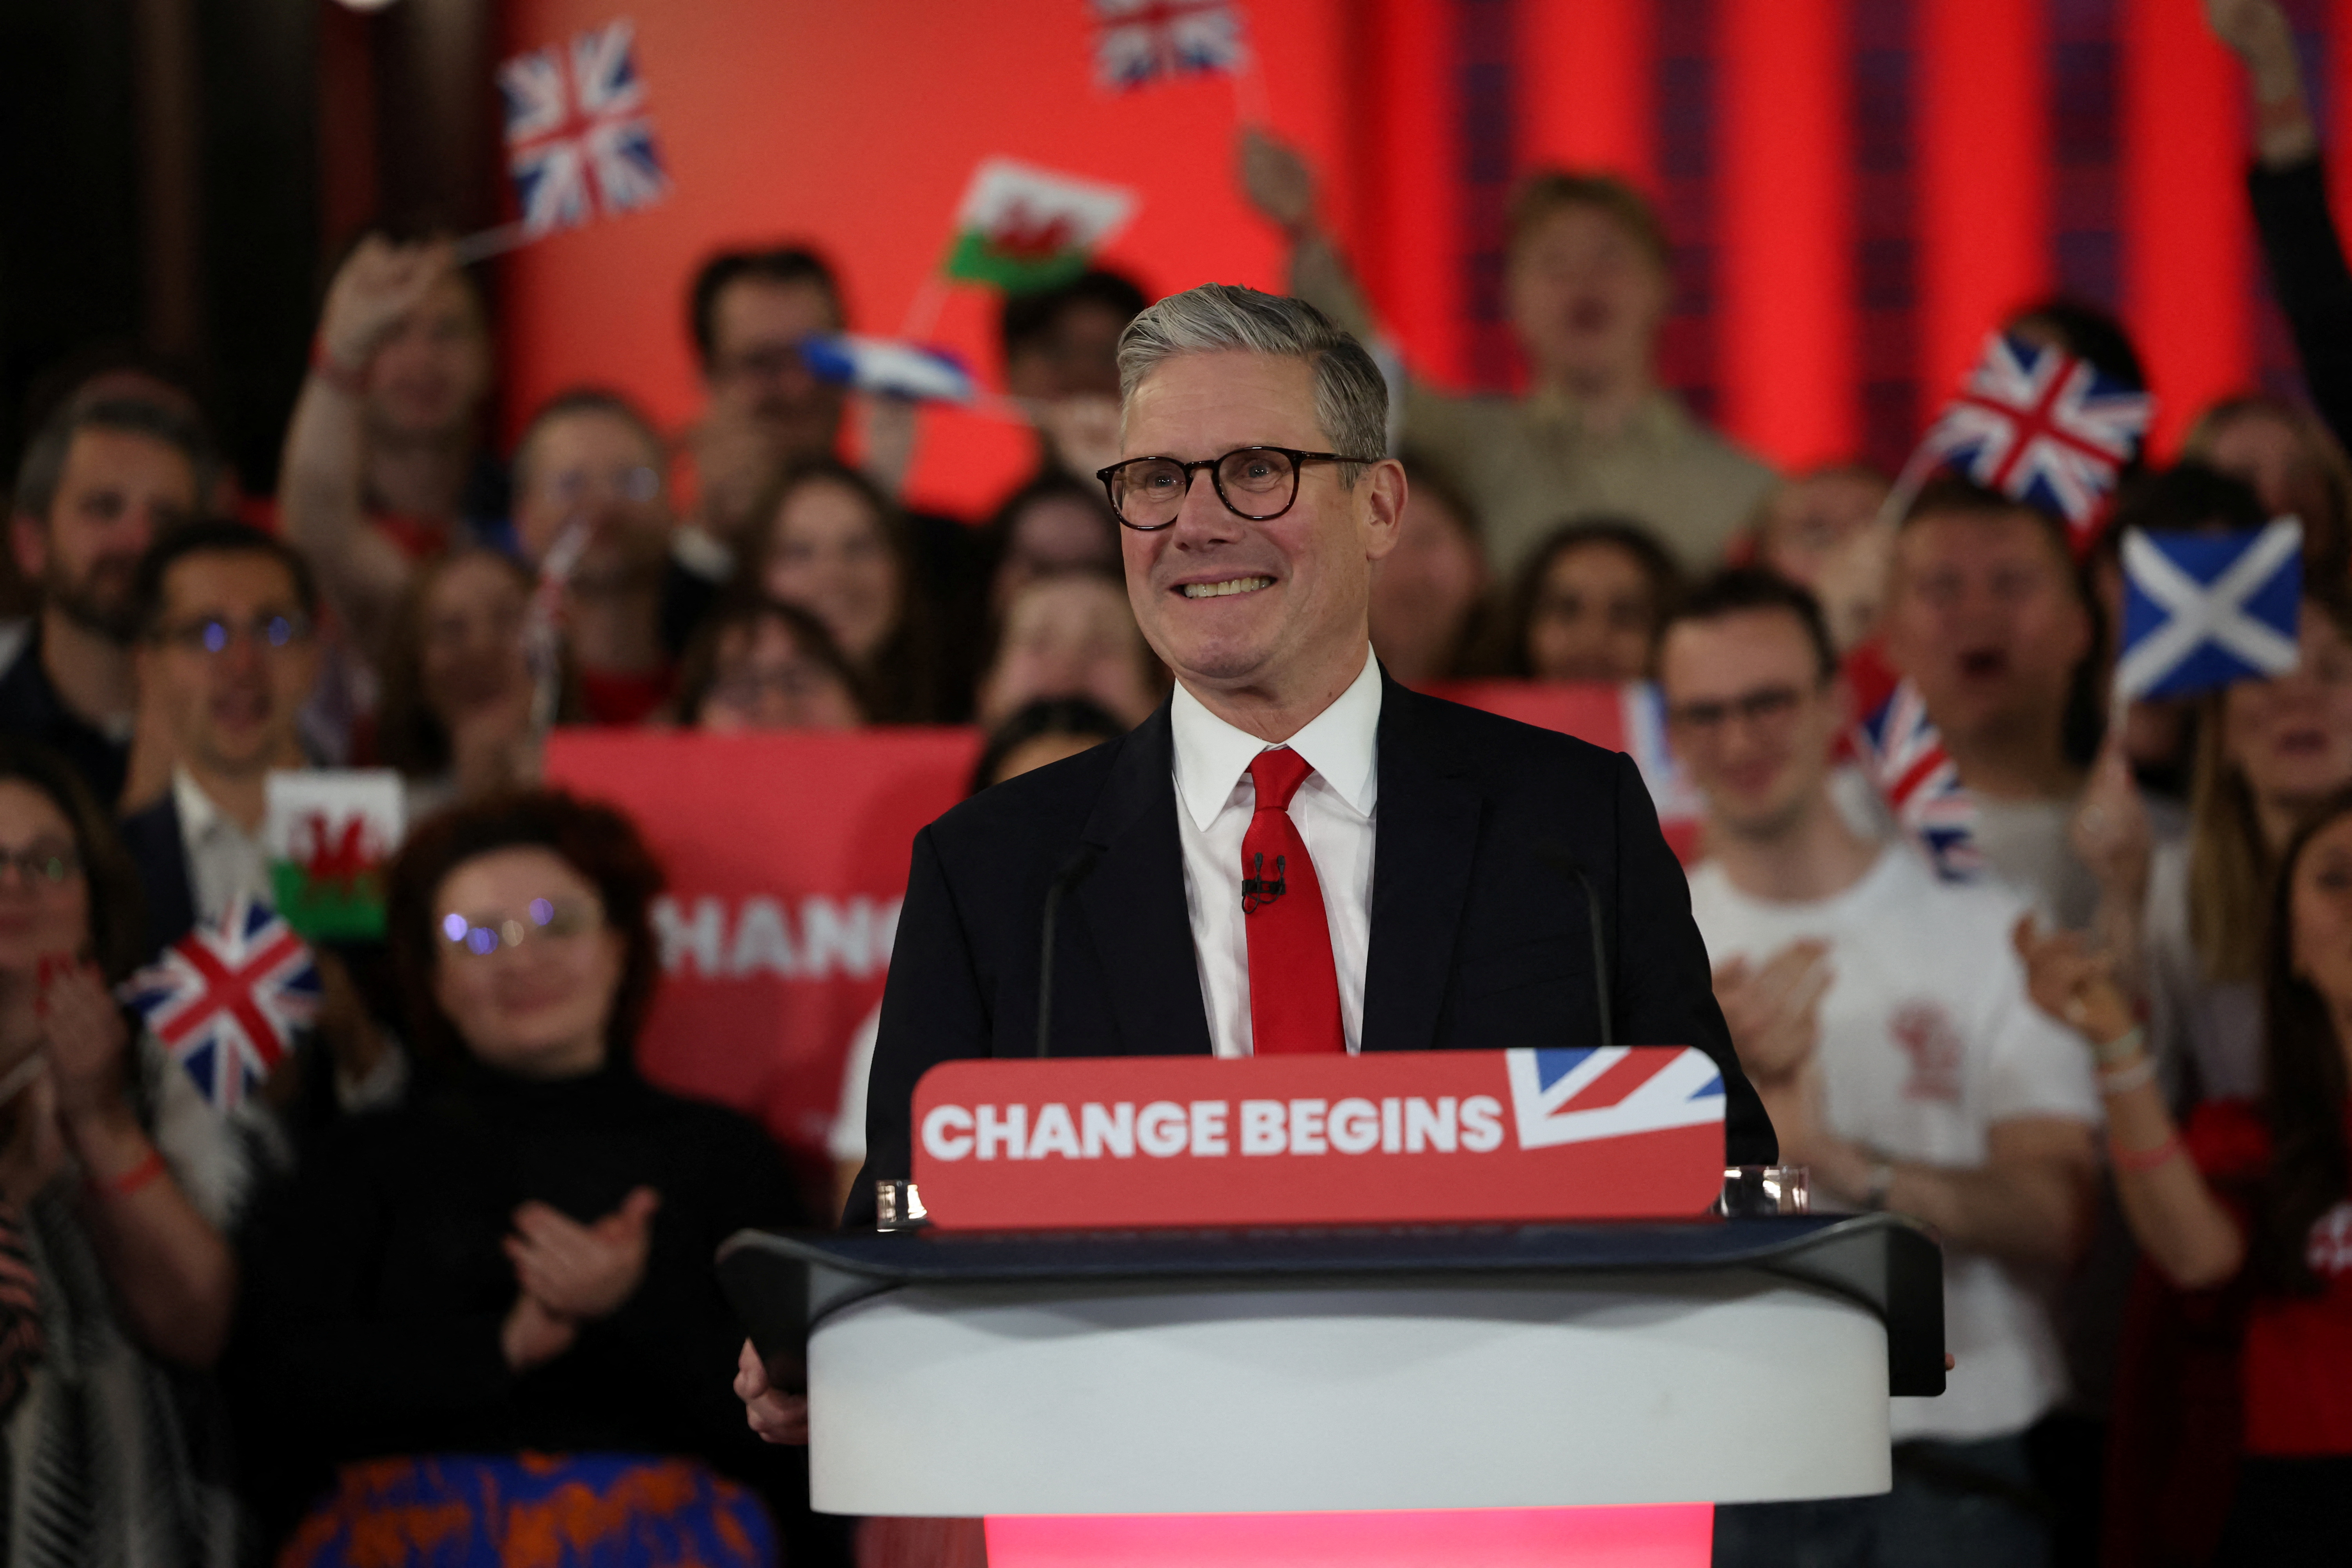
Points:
[(1294, 986)]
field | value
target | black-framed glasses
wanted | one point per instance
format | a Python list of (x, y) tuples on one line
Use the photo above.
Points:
[(1766, 706), (1259, 483), (211, 634)]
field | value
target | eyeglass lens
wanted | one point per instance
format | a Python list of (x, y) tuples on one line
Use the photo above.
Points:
[(1257, 482), (484, 934)]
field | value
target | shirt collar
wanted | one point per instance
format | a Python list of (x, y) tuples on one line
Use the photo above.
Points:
[(200, 816), (1337, 743)]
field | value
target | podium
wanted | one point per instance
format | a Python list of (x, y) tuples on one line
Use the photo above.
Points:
[(1347, 1371)]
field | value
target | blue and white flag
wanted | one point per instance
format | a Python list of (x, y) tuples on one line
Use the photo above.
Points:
[(888, 366), (2202, 610)]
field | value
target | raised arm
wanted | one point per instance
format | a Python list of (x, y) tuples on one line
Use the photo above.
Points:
[(171, 1271), (1280, 185), (322, 475), (2289, 190), (2173, 1213)]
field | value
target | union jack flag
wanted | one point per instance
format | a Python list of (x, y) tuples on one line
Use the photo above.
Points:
[(1140, 41), (578, 143), (225, 1000), (2038, 424), (1610, 1091), (1903, 754)]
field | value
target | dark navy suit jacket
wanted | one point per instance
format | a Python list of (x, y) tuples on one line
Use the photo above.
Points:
[(1477, 941)]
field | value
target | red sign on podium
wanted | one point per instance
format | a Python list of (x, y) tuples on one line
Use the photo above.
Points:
[(1610, 1133)]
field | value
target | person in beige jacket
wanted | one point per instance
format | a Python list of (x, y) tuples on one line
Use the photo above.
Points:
[(1589, 280)]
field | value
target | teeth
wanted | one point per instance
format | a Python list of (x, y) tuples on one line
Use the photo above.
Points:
[(1219, 590)]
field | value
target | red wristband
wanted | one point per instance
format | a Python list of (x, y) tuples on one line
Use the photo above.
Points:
[(333, 372), (132, 1180), (2145, 1159)]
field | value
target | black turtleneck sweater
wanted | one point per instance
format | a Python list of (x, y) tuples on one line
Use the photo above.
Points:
[(376, 1286)]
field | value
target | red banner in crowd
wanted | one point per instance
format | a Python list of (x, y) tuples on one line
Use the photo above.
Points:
[(1615, 1132), (787, 857)]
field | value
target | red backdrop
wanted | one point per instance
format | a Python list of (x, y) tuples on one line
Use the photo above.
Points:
[(1859, 187)]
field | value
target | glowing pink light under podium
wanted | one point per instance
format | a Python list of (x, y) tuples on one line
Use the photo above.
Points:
[(1676, 1535)]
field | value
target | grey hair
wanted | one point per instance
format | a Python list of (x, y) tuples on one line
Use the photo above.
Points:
[(42, 469), (1351, 398)]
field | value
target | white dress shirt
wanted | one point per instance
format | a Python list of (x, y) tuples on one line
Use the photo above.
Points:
[(224, 860), (1333, 809)]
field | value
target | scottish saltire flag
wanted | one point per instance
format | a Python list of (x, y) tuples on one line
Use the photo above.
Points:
[(2038, 424), (1610, 1091), (1022, 229), (1903, 754), (884, 365), (225, 1000), (1140, 41), (578, 144), (2202, 610)]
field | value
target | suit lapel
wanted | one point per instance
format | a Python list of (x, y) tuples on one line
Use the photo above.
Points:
[(1133, 900), (1427, 833)]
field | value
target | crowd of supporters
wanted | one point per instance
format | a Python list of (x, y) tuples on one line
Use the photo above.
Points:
[(460, 1250)]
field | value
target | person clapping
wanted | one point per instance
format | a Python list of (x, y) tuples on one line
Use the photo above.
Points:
[(505, 1284)]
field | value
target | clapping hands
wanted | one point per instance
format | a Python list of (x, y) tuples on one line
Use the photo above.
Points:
[(572, 1273), (1774, 1013)]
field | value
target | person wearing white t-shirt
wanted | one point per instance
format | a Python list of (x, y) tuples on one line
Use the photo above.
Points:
[(1883, 1017)]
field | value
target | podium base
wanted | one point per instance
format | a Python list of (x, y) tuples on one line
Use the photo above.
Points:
[(1673, 1535)]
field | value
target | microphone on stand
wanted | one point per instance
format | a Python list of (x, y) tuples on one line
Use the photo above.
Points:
[(1073, 871), (1562, 861)]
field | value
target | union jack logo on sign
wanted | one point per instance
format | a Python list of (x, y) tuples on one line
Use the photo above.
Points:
[(2043, 426), (578, 143), (1142, 40), (1574, 1096), (225, 1000), (1903, 754)]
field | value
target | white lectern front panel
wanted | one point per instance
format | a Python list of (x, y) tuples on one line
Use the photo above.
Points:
[(1225, 1399)]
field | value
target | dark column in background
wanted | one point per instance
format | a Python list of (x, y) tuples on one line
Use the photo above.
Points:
[(70, 259), (436, 104), (260, 172), (1684, 107)]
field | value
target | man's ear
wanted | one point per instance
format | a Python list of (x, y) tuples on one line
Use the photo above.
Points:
[(1382, 489), (28, 541)]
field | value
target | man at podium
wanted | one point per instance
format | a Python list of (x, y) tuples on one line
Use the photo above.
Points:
[(1294, 853)]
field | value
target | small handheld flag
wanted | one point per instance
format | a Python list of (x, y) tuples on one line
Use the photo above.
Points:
[(2038, 424), (578, 144), (225, 1000), (1022, 228), (888, 366), (1903, 754), (2202, 610), (329, 833), (1141, 41)]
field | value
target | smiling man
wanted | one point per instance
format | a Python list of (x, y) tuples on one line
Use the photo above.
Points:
[(1293, 853), (1884, 1016), (226, 656)]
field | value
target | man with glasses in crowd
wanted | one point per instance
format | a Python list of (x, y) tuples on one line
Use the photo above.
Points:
[(1294, 853), (99, 482), (226, 623), (1884, 1018)]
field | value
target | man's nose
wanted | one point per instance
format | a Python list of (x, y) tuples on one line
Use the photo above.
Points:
[(1205, 517)]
